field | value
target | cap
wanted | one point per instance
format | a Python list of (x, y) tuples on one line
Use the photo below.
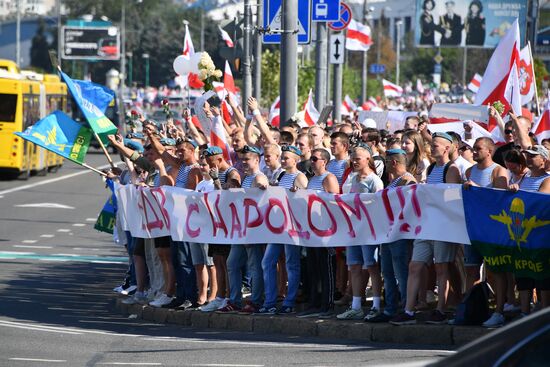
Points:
[(135, 136), (134, 145), (190, 141), (212, 150), (369, 123), (249, 149), (538, 150), (365, 146), (395, 151), (443, 136), (168, 142), (292, 149)]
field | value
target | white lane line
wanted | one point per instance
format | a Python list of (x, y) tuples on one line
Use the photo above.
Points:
[(227, 365), (91, 219), (79, 225), (130, 363), (49, 259), (28, 241), (47, 235), (39, 329), (252, 344), (30, 246), (16, 253), (45, 182), (39, 360), (63, 230), (86, 248)]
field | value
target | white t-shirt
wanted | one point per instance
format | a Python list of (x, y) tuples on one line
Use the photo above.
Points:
[(462, 165), (369, 184), (205, 186)]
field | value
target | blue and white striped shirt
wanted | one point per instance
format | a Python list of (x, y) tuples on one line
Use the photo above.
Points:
[(316, 182), (532, 183), (436, 176), (337, 168), (287, 181)]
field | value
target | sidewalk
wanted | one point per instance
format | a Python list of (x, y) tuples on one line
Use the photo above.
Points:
[(444, 335)]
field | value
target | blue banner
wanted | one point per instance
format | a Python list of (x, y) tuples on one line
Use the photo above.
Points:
[(100, 95), (60, 134)]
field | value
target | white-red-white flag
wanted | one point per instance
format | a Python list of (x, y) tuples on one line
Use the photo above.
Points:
[(391, 90), (419, 86), (311, 115), (358, 37), (526, 76), (275, 112), (217, 137), (475, 83), (188, 48), (348, 106), (369, 104), (226, 37), (501, 79), (541, 128), (228, 80)]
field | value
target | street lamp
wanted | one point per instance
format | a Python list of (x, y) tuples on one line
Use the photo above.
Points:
[(398, 53), (130, 69), (146, 58)]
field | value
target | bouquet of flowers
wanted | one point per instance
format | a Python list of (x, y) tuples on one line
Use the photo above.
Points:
[(208, 72), (499, 107)]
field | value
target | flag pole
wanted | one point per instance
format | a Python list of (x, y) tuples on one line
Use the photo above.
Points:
[(104, 150), (534, 78), (93, 169)]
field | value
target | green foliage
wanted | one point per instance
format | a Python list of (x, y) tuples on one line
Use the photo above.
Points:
[(540, 73)]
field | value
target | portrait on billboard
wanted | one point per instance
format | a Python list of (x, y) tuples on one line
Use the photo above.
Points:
[(466, 23)]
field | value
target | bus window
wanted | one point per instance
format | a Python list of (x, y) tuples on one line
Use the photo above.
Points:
[(8, 107)]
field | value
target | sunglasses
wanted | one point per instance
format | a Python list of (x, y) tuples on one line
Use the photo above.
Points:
[(315, 159), (508, 131)]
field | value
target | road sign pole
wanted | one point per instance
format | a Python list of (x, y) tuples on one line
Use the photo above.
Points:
[(247, 75), (364, 77), (327, 79), (321, 67), (337, 93), (258, 53), (289, 54)]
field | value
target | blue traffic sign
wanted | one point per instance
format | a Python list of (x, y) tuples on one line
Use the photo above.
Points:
[(377, 69), (325, 10), (273, 21)]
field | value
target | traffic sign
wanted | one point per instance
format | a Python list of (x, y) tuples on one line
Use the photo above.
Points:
[(343, 21), (337, 48), (325, 10), (90, 43), (377, 69), (273, 21)]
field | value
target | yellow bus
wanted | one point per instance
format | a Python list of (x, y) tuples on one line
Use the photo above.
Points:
[(26, 97)]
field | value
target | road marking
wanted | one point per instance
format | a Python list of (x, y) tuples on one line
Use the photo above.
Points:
[(131, 363), (44, 205), (16, 253), (34, 328), (61, 257), (39, 360), (228, 365), (47, 236), (63, 230), (91, 219), (79, 225), (28, 241), (30, 246), (52, 180)]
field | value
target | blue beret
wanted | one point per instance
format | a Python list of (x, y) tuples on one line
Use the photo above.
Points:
[(168, 142), (395, 151), (443, 136), (212, 150), (292, 149), (134, 145)]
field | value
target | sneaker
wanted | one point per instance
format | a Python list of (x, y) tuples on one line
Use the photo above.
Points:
[(511, 308), (403, 319), (212, 306), (379, 318), (118, 289), (163, 300), (286, 310), (311, 312), (130, 290), (229, 308), (152, 295), (326, 314), (246, 290), (437, 317), (137, 298), (249, 309), (196, 306), (185, 305), (496, 320), (351, 314), (431, 297), (344, 301), (175, 303), (374, 312), (266, 311)]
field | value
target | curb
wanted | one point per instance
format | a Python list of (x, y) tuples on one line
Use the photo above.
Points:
[(440, 335)]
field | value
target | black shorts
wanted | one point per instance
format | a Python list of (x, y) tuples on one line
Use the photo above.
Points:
[(527, 284), (139, 247), (219, 250), (162, 242)]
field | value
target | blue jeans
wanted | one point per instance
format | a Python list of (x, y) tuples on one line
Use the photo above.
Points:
[(251, 255), (186, 280), (269, 267), (131, 266), (395, 270)]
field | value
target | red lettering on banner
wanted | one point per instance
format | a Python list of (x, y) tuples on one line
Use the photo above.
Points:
[(235, 221), (405, 227), (293, 232), (272, 204), (320, 232), (154, 224), (162, 209), (215, 222), (194, 207), (356, 210), (387, 205), (416, 207), (259, 218)]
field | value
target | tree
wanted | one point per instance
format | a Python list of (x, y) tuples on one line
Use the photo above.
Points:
[(39, 49)]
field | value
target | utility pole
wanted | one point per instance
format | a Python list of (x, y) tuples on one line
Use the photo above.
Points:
[(258, 53), (327, 79), (364, 69), (202, 29), (146, 58), (398, 51), (464, 65), (289, 53), (59, 34), (337, 92), (18, 33), (379, 40), (321, 66), (123, 50), (247, 75)]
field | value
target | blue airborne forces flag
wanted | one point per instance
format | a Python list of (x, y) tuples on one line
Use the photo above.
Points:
[(511, 230)]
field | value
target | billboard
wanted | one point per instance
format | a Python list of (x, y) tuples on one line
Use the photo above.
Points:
[(467, 23), (90, 43)]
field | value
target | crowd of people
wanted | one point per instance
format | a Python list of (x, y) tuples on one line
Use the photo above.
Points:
[(348, 157)]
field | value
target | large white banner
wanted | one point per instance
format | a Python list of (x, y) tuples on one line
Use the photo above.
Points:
[(306, 217)]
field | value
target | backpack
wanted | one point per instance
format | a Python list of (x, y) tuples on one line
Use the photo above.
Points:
[(474, 308), (447, 165)]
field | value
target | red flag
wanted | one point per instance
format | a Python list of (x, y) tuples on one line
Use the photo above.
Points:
[(541, 129)]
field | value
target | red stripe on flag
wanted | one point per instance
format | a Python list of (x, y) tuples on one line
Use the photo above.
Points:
[(361, 37)]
